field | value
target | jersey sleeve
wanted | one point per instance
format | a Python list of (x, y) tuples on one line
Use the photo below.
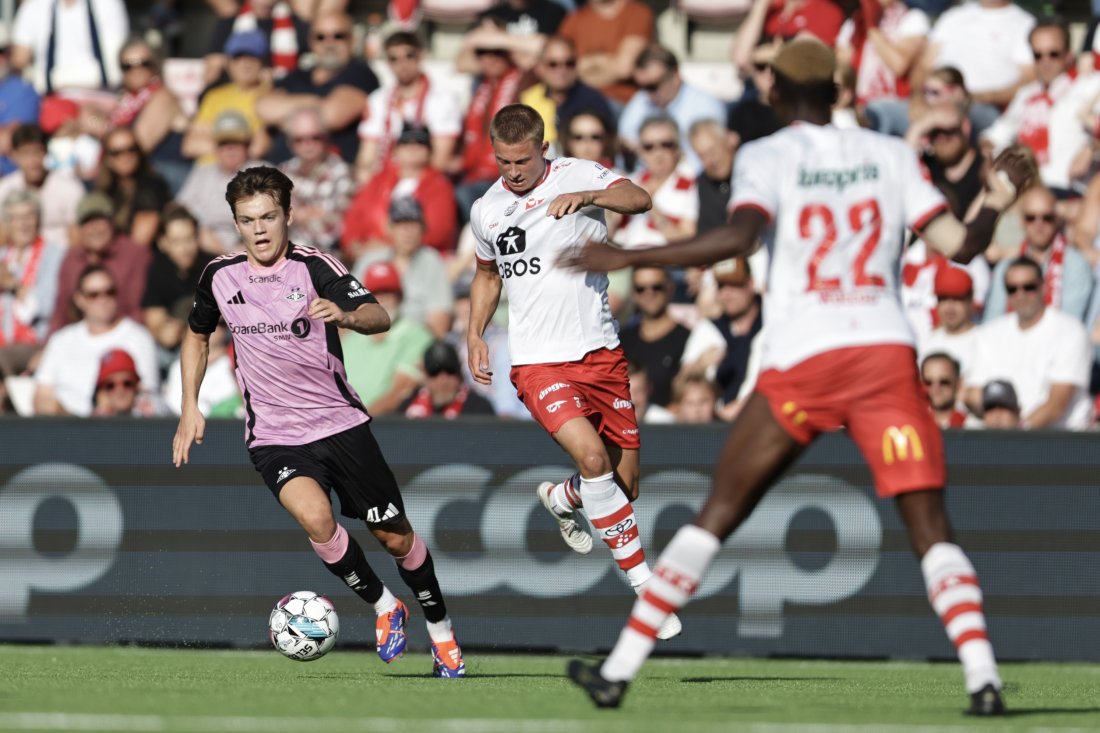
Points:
[(373, 125), (754, 182), (332, 281), (483, 248), (204, 311), (921, 201)]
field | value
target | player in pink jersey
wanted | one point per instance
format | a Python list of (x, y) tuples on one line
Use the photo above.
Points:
[(307, 432), (834, 204), (566, 362)]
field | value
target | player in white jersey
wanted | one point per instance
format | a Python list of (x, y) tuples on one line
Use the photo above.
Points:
[(837, 350), (566, 362)]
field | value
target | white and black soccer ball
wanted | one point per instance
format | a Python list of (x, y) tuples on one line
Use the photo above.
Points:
[(303, 626)]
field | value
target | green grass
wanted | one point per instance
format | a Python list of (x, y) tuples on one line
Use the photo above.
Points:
[(131, 689)]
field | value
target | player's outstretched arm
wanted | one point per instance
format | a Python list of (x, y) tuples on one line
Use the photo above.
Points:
[(623, 197), (738, 238), (1010, 173), (194, 353), (484, 298), (368, 318)]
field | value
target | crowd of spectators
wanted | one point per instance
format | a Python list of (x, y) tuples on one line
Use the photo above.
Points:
[(112, 195)]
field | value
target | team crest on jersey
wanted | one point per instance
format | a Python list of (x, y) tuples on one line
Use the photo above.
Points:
[(533, 202), (511, 208), (295, 294), (512, 241)]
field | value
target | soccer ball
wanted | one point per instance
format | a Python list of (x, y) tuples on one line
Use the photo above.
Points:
[(304, 626)]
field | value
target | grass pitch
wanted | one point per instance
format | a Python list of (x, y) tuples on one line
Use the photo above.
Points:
[(212, 691)]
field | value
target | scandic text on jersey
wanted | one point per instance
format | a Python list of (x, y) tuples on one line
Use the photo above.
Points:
[(838, 179)]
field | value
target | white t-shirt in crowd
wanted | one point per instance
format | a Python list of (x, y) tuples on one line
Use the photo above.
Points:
[(75, 63), (70, 362), (839, 202), (676, 198), (438, 111), (1055, 350), (554, 314), (959, 346), (988, 45)]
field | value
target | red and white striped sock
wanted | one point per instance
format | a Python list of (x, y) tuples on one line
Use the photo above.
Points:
[(956, 597), (679, 569), (565, 497), (613, 518)]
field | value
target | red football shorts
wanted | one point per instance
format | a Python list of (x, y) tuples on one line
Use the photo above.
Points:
[(876, 393), (596, 387)]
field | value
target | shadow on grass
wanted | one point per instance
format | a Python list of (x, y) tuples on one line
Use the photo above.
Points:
[(1024, 712), (742, 678)]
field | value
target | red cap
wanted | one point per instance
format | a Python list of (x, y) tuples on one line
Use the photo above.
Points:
[(56, 111), (382, 277), (114, 362), (953, 282)]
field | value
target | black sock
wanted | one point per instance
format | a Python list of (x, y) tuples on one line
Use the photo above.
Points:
[(353, 569), (424, 585)]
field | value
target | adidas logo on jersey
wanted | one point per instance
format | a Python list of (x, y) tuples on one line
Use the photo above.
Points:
[(237, 299)]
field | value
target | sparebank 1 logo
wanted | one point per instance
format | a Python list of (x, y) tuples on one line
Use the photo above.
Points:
[(755, 557), (99, 534)]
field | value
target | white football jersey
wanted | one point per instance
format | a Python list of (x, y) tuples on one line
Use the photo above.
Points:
[(554, 314), (839, 202)]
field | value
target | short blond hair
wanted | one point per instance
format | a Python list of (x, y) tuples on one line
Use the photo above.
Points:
[(517, 123)]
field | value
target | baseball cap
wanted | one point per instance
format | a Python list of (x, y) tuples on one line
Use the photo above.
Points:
[(94, 205), (55, 111), (115, 361), (231, 126), (382, 277), (441, 357), (805, 61), (1000, 393), (250, 43), (734, 271), (415, 135), (406, 208), (953, 282)]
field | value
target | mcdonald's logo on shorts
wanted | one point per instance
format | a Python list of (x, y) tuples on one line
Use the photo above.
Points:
[(899, 442)]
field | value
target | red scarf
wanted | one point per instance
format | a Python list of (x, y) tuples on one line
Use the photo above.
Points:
[(421, 405), (478, 160), (397, 102), (22, 333), (1053, 270), (284, 38), (130, 104)]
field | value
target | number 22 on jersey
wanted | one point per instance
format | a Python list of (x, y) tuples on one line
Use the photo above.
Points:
[(865, 222)]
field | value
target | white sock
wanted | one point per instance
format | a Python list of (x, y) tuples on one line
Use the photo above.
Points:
[(613, 518), (956, 597), (565, 498), (386, 603), (679, 570), (441, 630)]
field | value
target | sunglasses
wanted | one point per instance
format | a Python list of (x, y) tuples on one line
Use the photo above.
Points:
[(297, 139), (129, 150), (490, 52), (1040, 55), (1048, 218), (759, 66), (663, 144), (595, 137), (1025, 287), (112, 385), (567, 64), (944, 132), (405, 57), (337, 36), (650, 88), (435, 372), (939, 382), (142, 64), (97, 294), (658, 288)]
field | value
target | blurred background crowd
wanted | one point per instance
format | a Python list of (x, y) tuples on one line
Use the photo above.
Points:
[(121, 123)]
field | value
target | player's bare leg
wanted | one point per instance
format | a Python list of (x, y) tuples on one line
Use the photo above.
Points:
[(955, 595), (756, 452)]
